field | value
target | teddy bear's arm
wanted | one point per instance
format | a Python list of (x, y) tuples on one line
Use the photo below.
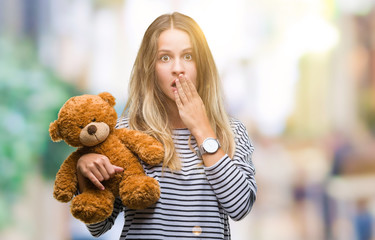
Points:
[(146, 147), (66, 178)]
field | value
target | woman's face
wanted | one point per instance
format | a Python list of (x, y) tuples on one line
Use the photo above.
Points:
[(175, 57)]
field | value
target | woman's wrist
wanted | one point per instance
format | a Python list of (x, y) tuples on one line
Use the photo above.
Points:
[(203, 133)]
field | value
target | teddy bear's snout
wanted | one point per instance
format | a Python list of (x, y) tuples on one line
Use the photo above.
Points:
[(92, 129), (94, 133)]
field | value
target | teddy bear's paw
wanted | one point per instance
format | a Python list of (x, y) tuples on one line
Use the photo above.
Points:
[(154, 154), (139, 192), (93, 207), (62, 195)]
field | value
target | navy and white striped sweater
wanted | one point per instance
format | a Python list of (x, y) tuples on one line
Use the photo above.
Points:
[(196, 201)]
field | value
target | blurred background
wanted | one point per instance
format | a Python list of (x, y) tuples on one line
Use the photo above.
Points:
[(299, 73)]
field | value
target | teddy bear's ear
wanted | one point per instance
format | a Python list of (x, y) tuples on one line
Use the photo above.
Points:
[(108, 98), (54, 132)]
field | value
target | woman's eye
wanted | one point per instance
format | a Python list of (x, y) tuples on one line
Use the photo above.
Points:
[(188, 57), (165, 58)]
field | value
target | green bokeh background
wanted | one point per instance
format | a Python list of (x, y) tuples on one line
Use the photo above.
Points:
[(30, 98)]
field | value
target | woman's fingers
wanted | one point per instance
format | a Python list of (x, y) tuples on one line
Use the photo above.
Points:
[(185, 89), (193, 89), (97, 168), (185, 86), (118, 169), (95, 180), (103, 173), (178, 100), (189, 103), (181, 91), (110, 170)]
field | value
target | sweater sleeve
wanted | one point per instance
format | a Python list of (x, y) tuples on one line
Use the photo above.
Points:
[(233, 180), (97, 229)]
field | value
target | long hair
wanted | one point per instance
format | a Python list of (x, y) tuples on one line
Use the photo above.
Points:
[(145, 106)]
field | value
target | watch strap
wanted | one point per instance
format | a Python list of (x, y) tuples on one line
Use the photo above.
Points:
[(201, 151)]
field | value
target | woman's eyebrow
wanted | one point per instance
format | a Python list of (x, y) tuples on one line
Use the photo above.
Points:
[(187, 49), (163, 51), (168, 51)]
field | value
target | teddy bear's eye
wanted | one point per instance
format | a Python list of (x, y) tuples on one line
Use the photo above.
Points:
[(81, 127), (93, 120)]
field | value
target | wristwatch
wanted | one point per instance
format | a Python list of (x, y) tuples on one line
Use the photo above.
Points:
[(209, 145)]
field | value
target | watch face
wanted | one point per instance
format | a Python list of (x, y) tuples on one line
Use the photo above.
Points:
[(210, 145)]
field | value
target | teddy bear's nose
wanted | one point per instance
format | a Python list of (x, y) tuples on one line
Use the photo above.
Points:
[(92, 129)]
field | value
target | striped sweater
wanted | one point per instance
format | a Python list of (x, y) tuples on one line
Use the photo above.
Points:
[(196, 201)]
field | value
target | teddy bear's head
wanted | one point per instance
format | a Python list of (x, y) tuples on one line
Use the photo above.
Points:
[(85, 120)]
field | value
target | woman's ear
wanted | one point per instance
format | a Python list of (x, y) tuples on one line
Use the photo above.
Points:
[(108, 98), (54, 132)]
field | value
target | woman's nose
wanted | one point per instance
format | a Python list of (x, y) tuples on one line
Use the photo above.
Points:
[(178, 67)]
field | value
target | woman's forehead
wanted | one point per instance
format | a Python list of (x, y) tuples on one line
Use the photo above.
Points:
[(174, 39)]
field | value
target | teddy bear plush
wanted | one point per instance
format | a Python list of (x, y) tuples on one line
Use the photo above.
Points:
[(88, 123)]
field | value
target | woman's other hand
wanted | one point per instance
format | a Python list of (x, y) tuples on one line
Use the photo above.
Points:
[(96, 168), (191, 109)]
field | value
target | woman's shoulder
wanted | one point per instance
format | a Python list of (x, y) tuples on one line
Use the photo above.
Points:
[(241, 135), (122, 122), (236, 124), (238, 128)]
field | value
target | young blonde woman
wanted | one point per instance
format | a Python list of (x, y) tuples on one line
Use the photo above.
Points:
[(207, 173)]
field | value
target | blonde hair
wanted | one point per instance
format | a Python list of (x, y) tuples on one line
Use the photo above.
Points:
[(145, 107)]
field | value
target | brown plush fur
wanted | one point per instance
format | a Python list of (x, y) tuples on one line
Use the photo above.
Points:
[(88, 122)]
